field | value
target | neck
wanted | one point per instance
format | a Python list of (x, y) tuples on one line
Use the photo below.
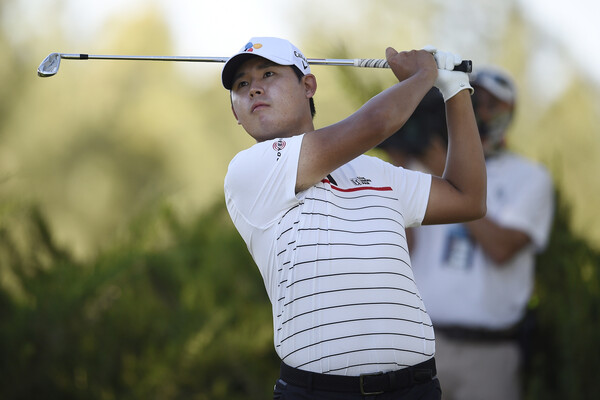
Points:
[(284, 133)]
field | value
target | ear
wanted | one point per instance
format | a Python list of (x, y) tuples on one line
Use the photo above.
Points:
[(310, 85)]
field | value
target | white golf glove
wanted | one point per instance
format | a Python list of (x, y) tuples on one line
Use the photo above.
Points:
[(449, 82)]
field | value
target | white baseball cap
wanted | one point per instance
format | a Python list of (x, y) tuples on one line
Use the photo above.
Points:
[(280, 51), (497, 82)]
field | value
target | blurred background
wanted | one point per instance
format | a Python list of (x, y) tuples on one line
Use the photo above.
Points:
[(121, 276)]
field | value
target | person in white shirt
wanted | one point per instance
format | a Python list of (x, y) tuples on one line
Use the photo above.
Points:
[(476, 278), (325, 224)]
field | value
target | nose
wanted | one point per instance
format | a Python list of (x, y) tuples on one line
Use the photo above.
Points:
[(255, 92)]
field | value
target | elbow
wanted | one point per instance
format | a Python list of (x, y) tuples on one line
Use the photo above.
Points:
[(480, 205), (476, 210), (482, 210), (500, 257)]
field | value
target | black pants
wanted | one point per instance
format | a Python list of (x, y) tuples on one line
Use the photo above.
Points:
[(425, 391)]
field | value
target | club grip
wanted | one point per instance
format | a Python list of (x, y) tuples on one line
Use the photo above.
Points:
[(464, 66)]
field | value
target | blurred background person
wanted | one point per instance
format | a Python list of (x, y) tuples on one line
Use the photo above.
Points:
[(476, 278)]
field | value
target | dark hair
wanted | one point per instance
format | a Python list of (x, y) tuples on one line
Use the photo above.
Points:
[(427, 121), (311, 101)]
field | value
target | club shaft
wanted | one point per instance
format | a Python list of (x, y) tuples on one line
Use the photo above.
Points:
[(50, 65), (141, 58), (314, 61)]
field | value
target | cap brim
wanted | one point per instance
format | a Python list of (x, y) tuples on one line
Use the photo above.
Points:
[(231, 67)]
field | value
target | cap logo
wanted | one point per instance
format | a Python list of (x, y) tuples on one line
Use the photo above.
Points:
[(301, 56), (249, 47)]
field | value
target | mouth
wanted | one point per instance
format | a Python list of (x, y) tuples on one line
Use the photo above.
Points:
[(258, 106)]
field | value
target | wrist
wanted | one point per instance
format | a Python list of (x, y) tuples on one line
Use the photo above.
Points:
[(461, 95), (451, 83), (426, 77)]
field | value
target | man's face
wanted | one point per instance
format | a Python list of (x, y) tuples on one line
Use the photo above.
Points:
[(493, 117), (269, 101)]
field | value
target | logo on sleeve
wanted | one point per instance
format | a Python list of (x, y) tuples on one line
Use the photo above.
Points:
[(278, 146)]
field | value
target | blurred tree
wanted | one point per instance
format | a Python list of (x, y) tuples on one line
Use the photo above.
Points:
[(111, 138), (565, 357), (177, 312)]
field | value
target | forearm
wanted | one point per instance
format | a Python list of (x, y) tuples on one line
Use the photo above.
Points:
[(328, 148), (465, 164), (385, 113), (499, 243)]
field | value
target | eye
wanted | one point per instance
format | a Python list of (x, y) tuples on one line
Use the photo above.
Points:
[(242, 84), (269, 73)]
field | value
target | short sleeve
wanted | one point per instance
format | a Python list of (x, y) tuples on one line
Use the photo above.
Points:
[(413, 188), (260, 183)]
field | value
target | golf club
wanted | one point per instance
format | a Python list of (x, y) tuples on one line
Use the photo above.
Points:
[(50, 65)]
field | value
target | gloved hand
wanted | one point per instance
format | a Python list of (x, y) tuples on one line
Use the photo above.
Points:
[(449, 82)]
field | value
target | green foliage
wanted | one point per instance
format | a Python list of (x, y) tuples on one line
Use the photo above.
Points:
[(567, 303), (177, 312), (100, 142)]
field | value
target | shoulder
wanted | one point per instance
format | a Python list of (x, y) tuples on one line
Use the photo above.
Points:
[(263, 155)]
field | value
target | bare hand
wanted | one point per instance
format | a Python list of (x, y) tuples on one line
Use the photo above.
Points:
[(408, 63)]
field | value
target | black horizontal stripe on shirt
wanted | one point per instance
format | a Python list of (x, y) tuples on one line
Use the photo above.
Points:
[(286, 231), (351, 337), (300, 246), (346, 321), (348, 244), (347, 290), (344, 258), (354, 195), (368, 349), (354, 208), (285, 250), (353, 220), (350, 273), (317, 260), (351, 232), (379, 303), (289, 210)]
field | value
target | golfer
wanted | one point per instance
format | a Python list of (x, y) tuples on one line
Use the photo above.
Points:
[(325, 223)]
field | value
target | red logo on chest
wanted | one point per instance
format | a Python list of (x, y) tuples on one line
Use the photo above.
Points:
[(279, 145)]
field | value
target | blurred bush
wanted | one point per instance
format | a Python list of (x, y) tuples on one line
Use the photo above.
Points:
[(566, 357), (179, 311)]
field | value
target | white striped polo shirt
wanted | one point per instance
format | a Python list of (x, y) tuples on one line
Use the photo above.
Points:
[(334, 258)]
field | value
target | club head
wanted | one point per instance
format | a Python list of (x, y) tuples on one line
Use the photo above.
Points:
[(49, 67)]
